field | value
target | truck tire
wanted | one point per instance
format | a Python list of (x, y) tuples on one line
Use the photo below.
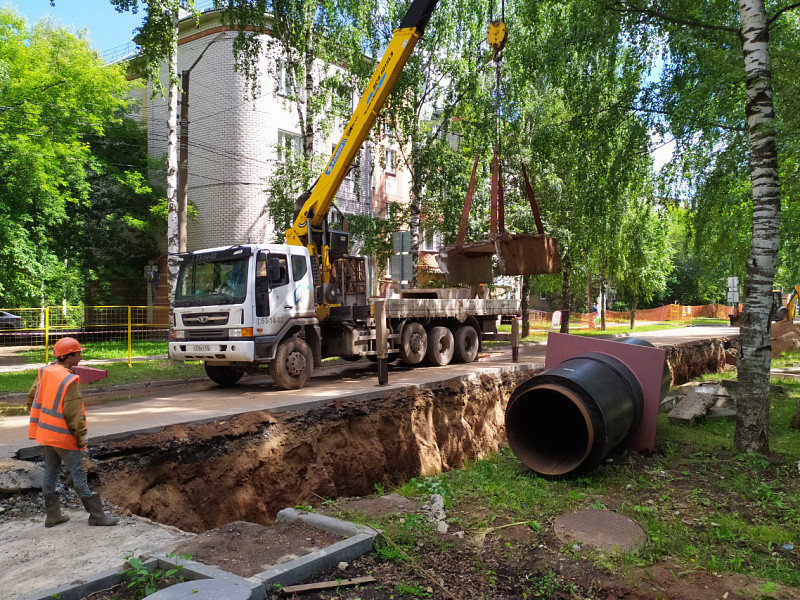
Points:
[(465, 344), (223, 375), (413, 343), (291, 367), (782, 314), (440, 346)]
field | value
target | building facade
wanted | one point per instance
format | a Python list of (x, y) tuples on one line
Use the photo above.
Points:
[(236, 140)]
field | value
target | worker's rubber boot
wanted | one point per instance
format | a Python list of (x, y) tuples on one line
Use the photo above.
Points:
[(94, 506), (52, 509)]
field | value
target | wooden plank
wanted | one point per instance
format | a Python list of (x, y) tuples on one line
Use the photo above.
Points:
[(326, 585)]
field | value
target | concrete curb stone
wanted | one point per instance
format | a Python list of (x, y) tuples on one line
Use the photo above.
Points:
[(79, 589)]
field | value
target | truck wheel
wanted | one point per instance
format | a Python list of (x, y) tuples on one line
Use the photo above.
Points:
[(782, 314), (440, 346), (223, 375), (291, 367), (413, 343), (465, 344)]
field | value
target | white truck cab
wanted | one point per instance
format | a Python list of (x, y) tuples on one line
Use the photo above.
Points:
[(234, 303)]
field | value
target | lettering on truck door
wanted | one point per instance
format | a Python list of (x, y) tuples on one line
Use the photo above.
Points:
[(273, 293), (302, 296)]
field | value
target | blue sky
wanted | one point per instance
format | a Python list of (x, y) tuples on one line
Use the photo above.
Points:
[(106, 28)]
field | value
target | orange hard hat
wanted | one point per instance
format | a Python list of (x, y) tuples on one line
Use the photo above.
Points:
[(66, 345)]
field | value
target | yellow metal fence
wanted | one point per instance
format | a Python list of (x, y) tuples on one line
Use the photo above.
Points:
[(107, 332)]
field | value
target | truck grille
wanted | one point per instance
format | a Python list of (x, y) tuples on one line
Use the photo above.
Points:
[(205, 319), (206, 334)]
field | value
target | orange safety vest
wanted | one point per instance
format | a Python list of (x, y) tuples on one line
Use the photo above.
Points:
[(48, 425)]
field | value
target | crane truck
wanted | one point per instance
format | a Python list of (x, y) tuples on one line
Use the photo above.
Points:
[(290, 305)]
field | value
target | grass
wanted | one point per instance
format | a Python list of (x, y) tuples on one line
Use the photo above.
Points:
[(105, 349), (702, 504)]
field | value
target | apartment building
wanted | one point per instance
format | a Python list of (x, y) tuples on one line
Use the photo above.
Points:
[(236, 140)]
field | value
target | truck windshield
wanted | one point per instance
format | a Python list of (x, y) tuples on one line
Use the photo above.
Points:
[(217, 282)]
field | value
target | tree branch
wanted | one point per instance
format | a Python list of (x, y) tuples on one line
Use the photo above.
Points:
[(664, 112), (780, 12), (623, 7)]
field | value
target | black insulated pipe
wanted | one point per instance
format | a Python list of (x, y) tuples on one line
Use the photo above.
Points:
[(572, 416)]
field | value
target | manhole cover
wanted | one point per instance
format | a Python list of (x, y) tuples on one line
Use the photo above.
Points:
[(601, 529)]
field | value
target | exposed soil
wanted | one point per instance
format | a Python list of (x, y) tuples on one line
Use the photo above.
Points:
[(785, 337), (247, 549), (198, 477)]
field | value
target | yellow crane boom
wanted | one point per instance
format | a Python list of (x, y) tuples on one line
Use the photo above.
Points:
[(320, 199)]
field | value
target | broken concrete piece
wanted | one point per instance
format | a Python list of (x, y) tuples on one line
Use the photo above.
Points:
[(668, 403), (19, 476), (691, 408)]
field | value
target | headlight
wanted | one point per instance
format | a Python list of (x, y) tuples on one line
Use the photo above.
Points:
[(178, 334), (243, 332)]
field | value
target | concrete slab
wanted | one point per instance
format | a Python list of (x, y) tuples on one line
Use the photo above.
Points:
[(168, 407), (203, 589), (90, 550), (691, 409), (601, 529)]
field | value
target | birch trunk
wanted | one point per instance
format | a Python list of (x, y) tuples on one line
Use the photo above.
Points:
[(566, 271), (752, 421), (524, 305), (173, 237), (415, 210)]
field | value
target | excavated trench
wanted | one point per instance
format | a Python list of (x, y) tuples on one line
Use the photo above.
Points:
[(246, 468)]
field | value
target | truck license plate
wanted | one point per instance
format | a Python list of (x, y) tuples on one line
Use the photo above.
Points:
[(202, 348)]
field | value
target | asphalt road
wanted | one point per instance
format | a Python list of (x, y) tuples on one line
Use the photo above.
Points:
[(207, 401)]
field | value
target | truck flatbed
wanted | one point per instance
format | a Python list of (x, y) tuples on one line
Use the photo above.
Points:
[(420, 308)]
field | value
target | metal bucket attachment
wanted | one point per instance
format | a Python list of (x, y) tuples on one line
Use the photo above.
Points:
[(463, 268), (528, 255)]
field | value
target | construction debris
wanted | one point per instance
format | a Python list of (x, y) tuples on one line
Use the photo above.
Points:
[(326, 585), (785, 338), (692, 403)]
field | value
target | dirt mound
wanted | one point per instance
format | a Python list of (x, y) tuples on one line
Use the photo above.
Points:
[(785, 337), (248, 548), (687, 361)]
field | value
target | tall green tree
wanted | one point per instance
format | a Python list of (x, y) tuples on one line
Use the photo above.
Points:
[(573, 79), (713, 100), (56, 95), (644, 261)]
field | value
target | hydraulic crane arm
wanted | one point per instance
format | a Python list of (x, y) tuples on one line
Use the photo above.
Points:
[(316, 207)]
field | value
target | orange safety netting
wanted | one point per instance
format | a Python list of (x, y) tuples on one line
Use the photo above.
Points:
[(669, 312)]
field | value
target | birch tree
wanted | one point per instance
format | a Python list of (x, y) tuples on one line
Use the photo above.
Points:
[(158, 40), (704, 98)]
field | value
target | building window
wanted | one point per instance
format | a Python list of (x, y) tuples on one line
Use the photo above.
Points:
[(284, 78), (388, 130), (288, 144), (430, 240), (391, 162)]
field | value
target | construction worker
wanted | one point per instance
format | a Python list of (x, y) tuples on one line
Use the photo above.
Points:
[(58, 422)]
